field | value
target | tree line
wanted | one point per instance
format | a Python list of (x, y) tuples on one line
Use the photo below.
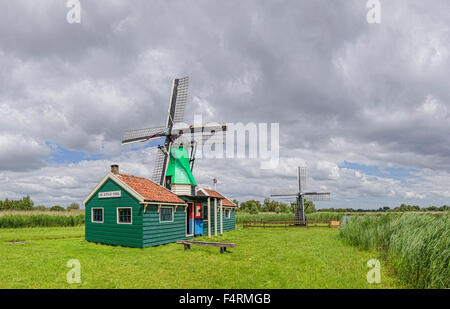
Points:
[(255, 206), (401, 208), (27, 204)]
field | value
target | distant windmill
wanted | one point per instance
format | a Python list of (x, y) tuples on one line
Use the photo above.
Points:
[(173, 166), (311, 196)]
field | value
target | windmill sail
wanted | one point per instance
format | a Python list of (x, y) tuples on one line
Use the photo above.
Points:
[(317, 196), (201, 135), (181, 99), (142, 135), (301, 178), (178, 100), (159, 166)]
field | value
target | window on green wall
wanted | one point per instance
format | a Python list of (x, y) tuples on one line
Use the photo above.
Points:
[(227, 213), (166, 214), (97, 215), (205, 212), (124, 215)]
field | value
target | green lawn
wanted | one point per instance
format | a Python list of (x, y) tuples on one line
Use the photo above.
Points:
[(263, 258)]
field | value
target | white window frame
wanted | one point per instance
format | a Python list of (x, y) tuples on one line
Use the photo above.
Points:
[(173, 214), (117, 214), (92, 215), (227, 213)]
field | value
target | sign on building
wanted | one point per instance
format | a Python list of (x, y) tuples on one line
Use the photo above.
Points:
[(110, 194)]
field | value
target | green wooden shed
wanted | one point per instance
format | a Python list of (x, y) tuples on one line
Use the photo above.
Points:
[(134, 211)]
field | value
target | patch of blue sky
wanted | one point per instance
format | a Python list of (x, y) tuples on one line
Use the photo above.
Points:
[(59, 154), (397, 173)]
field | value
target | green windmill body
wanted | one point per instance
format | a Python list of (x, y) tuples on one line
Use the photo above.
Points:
[(178, 169)]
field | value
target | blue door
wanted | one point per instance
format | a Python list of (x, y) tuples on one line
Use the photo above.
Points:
[(198, 227)]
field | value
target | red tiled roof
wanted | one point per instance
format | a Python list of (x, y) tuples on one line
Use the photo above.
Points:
[(149, 190), (225, 201), (213, 193)]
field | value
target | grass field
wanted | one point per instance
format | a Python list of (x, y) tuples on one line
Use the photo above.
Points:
[(263, 258)]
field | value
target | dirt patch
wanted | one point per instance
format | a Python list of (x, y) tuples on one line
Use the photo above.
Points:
[(17, 242)]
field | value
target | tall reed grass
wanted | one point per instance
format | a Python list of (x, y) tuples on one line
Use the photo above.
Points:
[(325, 216), (42, 212), (417, 246), (40, 220)]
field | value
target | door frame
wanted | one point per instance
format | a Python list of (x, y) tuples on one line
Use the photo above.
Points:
[(200, 219), (189, 211)]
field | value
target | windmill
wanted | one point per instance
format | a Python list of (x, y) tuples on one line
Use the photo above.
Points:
[(173, 165), (311, 196)]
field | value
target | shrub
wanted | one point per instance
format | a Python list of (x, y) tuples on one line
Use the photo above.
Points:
[(73, 206), (57, 208)]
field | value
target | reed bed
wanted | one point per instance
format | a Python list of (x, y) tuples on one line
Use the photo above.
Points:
[(40, 220), (41, 212), (325, 216), (417, 246)]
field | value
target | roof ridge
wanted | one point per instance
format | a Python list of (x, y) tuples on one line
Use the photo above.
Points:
[(129, 175)]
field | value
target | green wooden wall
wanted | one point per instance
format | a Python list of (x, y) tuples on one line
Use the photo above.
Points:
[(158, 233), (109, 232), (228, 224)]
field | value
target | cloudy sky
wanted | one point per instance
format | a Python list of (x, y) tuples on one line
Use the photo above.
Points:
[(366, 107)]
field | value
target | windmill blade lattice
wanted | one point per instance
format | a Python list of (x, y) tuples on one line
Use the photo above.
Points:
[(142, 135), (201, 135), (159, 165), (317, 196), (181, 99), (301, 178)]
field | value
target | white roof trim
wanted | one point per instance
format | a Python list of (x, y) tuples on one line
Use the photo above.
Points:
[(203, 191), (116, 179)]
